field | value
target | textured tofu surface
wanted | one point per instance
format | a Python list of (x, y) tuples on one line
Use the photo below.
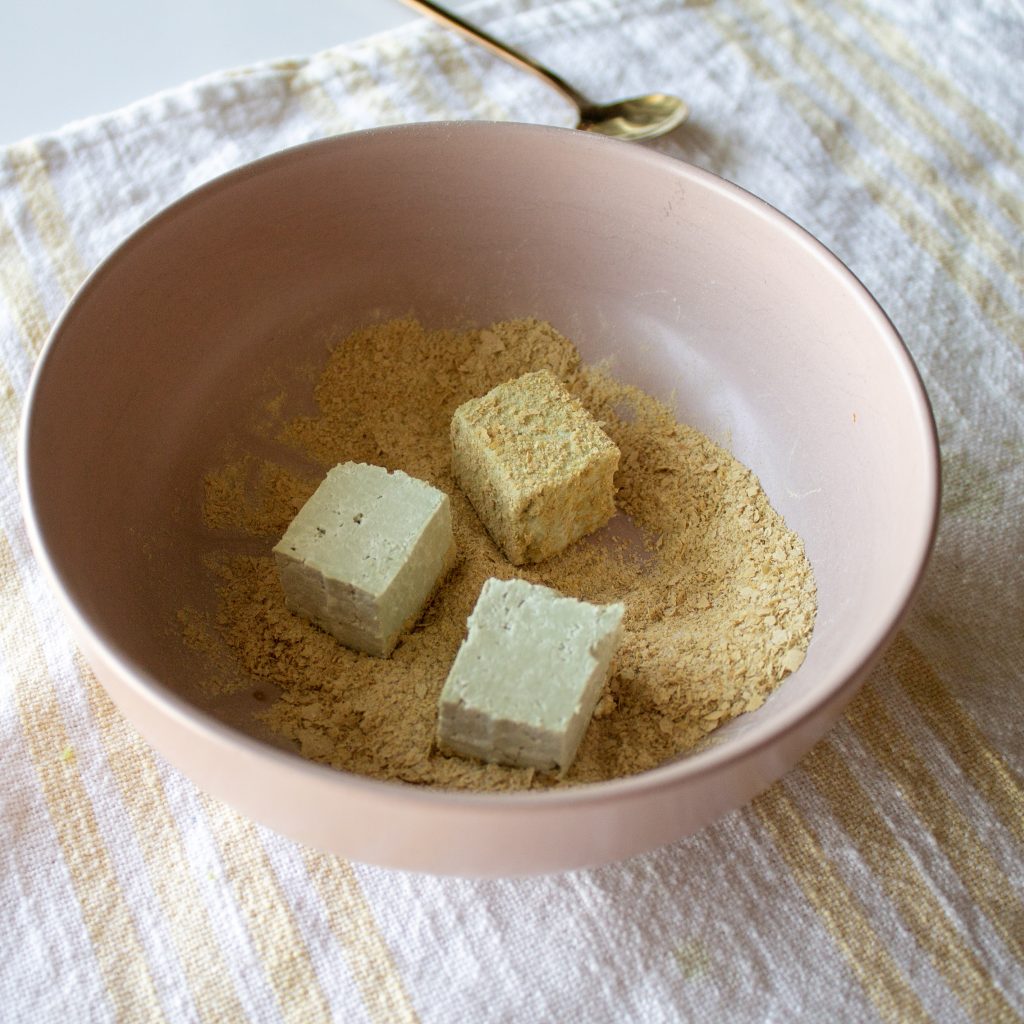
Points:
[(523, 686), (535, 465), (365, 553)]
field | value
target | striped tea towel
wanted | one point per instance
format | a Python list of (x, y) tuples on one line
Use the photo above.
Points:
[(882, 879)]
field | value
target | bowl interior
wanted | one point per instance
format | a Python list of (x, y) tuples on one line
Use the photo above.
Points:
[(699, 293)]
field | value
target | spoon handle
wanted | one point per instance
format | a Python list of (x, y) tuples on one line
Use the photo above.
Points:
[(496, 46)]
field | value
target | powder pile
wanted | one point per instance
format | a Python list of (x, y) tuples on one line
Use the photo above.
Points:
[(720, 598)]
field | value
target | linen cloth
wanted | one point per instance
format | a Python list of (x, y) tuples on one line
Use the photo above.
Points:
[(882, 879)]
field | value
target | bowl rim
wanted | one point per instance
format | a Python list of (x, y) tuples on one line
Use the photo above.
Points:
[(846, 676)]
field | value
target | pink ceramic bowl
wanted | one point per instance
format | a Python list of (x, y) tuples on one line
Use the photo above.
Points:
[(705, 295)]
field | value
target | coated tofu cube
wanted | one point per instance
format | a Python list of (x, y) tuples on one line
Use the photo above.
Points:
[(524, 684), (535, 465), (365, 554)]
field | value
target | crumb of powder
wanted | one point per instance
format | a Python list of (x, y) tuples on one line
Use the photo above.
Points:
[(720, 598), (253, 496)]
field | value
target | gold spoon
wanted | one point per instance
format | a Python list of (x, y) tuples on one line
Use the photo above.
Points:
[(643, 117)]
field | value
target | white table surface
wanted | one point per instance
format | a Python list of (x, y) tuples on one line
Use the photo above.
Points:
[(63, 60)]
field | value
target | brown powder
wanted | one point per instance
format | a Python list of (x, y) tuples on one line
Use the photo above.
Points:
[(720, 599)]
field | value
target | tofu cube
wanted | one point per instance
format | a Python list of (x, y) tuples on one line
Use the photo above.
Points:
[(523, 686), (365, 553), (535, 465)]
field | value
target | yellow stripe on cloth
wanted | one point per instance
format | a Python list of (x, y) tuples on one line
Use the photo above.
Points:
[(903, 102), (899, 49), (44, 207), (9, 416), (167, 859), (956, 836), (980, 762), (269, 920), (900, 205), (924, 176), (409, 69), (320, 106), (355, 928), (112, 930), (21, 293), (316, 94), (904, 885), (459, 75), (359, 80), (839, 909)]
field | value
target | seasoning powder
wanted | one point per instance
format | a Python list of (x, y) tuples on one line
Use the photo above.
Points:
[(720, 598)]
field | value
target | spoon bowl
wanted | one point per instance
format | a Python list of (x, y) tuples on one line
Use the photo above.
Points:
[(642, 117)]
